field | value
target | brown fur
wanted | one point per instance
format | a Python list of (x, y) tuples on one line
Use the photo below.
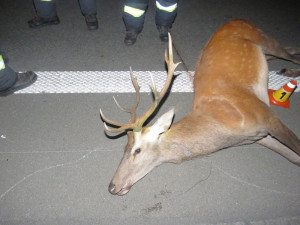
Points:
[(230, 108), (226, 112)]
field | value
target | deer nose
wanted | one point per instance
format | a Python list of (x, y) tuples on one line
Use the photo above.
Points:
[(111, 188)]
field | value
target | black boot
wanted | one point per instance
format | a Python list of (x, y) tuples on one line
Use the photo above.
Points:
[(23, 80), (91, 21), (38, 22), (163, 32), (130, 37)]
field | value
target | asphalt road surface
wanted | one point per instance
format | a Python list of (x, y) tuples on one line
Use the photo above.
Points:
[(56, 161)]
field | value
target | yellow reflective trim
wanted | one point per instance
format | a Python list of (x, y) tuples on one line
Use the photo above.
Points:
[(170, 8), (133, 11), (2, 64)]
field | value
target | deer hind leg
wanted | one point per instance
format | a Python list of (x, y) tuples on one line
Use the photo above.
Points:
[(280, 148)]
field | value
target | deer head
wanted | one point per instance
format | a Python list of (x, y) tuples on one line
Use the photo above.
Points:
[(141, 153)]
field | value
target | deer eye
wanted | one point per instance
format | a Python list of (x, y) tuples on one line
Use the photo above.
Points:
[(137, 151)]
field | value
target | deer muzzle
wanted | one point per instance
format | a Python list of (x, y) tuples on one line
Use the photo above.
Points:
[(119, 191)]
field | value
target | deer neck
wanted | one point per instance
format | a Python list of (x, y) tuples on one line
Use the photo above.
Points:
[(186, 139)]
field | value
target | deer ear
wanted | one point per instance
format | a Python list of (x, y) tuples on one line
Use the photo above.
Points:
[(164, 122)]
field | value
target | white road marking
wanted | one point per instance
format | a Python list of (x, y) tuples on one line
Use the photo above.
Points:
[(118, 82)]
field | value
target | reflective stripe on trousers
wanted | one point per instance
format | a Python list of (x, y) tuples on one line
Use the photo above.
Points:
[(133, 11), (169, 8)]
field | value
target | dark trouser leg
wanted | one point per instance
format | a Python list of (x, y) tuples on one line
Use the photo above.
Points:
[(7, 76), (166, 11), (134, 14), (88, 7), (89, 10), (45, 9), (46, 12), (10, 81)]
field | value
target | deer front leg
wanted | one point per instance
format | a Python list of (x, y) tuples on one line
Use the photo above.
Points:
[(290, 72), (292, 50)]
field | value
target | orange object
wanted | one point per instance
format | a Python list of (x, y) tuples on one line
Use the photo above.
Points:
[(281, 96)]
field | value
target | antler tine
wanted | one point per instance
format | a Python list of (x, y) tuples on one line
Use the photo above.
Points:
[(159, 97), (120, 107), (122, 126), (132, 111), (154, 89), (171, 67), (117, 124), (137, 97), (137, 90), (117, 130)]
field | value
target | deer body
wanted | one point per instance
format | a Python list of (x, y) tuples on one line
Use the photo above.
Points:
[(230, 108)]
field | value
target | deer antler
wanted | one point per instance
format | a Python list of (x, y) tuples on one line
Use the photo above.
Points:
[(136, 125), (132, 111)]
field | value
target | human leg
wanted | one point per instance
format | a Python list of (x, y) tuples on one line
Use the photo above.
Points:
[(7, 76), (46, 14), (10, 81), (89, 10), (166, 11), (133, 17)]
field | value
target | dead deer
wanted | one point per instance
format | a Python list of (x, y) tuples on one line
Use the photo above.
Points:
[(230, 107)]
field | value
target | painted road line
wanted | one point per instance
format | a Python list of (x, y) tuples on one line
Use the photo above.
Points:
[(118, 82)]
